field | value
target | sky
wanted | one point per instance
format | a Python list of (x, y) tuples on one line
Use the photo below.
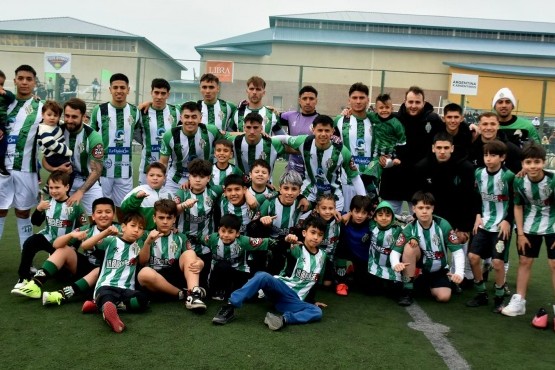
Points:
[(177, 26)]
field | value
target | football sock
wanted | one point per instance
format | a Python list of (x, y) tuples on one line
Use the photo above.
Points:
[(48, 269)]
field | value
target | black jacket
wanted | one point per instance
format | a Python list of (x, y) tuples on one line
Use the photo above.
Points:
[(512, 160)]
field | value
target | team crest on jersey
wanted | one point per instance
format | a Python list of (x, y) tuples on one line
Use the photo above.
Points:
[(29, 109), (159, 133), (428, 127), (545, 192), (119, 137), (108, 163), (435, 240), (130, 120), (500, 185), (330, 163), (173, 247), (98, 151), (452, 236), (389, 239), (262, 156), (202, 143), (221, 116), (171, 119), (401, 240), (365, 238), (208, 202), (135, 248), (81, 147)]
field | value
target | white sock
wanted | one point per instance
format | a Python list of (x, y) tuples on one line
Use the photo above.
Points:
[(2, 222), (25, 228)]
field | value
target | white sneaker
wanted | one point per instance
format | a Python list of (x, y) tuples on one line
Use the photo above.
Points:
[(517, 306), (20, 284)]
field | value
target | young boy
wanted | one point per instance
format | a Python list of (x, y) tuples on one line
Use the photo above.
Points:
[(535, 220), (169, 265), (6, 98), (142, 198), (229, 268), (289, 290), (492, 228), (60, 220), (51, 137), (424, 243), (116, 283), (223, 153), (239, 201), (260, 175)]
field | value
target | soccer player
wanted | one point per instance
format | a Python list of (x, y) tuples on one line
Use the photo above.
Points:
[(215, 111), (223, 153), (260, 176), (291, 288), (116, 121), (6, 98), (20, 189)]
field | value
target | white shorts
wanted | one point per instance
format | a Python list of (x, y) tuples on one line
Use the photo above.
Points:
[(142, 179), (349, 193), (90, 195), (26, 196), (116, 189), (172, 187)]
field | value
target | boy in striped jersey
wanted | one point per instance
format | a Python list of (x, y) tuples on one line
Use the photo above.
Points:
[(492, 228), (116, 283), (326, 209), (291, 290), (215, 111), (239, 201), (6, 98), (60, 219), (260, 175), (223, 153), (116, 121), (424, 243), (170, 268), (534, 214)]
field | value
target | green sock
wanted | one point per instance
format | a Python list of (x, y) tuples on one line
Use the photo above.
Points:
[(480, 286), (409, 285), (499, 291), (48, 269)]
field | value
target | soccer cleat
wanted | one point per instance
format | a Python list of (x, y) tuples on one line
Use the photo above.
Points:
[(406, 298), (540, 320), (480, 299), (517, 306), (224, 315), (274, 322), (498, 304), (89, 307), (20, 283), (194, 300), (342, 289), (29, 290), (52, 298), (110, 315), (218, 295)]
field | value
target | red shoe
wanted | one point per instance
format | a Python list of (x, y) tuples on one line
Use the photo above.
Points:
[(540, 320), (89, 307), (342, 289), (110, 314)]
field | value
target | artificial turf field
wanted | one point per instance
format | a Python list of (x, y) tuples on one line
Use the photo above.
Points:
[(357, 331)]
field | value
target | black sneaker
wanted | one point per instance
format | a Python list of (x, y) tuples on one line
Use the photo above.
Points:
[(480, 299), (224, 315), (218, 295), (405, 299), (194, 300), (274, 322), (4, 172), (498, 304)]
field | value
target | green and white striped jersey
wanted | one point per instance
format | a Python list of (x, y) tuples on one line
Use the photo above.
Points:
[(356, 135), (306, 271), (145, 206), (116, 127), (151, 129), (166, 250), (181, 149), (96, 254), (21, 130), (267, 149), (244, 212), (287, 216), (381, 243), (120, 264), (538, 203), (218, 176), (86, 146), (198, 221), (62, 220), (236, 252), (269, 120), (218, 114), (386, 135), (496, 192), (434, 242), (331, 237), (264, 195)]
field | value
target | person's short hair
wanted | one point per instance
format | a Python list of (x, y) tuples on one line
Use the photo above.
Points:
[(191, 106), (257, 82), (416, 91), (158, 165), (323, 197), (443, 136), (488, 115), (26, 68), (533, 150), (383, 98), (261, 163), (59, 176), (234, 179), (360, 87), (495, 147), (2, 75), (253, 117), (231, 222), (453, 107), (292, 178), (361, 203), (133, 216), (323, 120), (76, 103), (200, 167), (224, 142), (160, 83), (103, 200), (119, 77), (209, 77), (52, 105), (308, 89), (424, 197), (316, 222), (166, 206)]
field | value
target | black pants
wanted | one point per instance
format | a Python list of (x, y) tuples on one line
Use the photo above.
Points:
[(134, 300), (34, 244), (225, 278)]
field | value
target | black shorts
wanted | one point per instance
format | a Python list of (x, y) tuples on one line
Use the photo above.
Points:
[(535, 243), (174, 276), (431, 280), (484, 244), (84, 266)]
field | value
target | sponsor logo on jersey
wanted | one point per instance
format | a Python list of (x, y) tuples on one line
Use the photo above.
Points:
[(306, 275), (115, 263), (431, 255), (119, 150), (56, 222), (108, 163), (12, 139), (160, 132), (494, 197), (155, 148)]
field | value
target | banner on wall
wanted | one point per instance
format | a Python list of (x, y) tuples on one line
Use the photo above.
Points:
[(222, 69), (57, 62)]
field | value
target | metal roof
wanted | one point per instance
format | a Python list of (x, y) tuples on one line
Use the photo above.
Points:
[(505, 69)]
